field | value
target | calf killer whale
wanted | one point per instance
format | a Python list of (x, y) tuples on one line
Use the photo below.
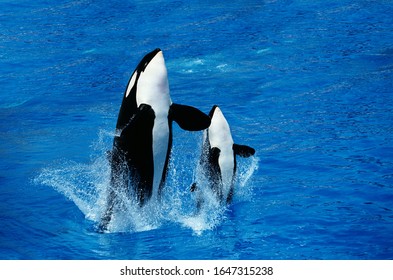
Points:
[(143, 141), (218, 157)]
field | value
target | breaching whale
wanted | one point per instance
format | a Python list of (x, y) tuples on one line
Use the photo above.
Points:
[(142, 145), (217, 163)]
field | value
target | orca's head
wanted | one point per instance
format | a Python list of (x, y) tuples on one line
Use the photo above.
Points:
[(219, 131), (217, 118), (150, 79)]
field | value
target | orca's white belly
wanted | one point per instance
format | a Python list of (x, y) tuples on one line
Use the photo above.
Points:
[(160, 151)]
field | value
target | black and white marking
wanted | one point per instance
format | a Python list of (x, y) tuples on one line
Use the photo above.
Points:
[(143, 141), (218, 158)]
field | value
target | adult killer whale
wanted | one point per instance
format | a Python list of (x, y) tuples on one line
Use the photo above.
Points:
[(142, 145), (218, 158)]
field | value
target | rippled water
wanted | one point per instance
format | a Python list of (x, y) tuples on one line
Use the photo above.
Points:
[(308, 84)]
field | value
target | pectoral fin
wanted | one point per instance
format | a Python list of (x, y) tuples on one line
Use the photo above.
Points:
[(189, 118), (142, 120), (243, 150), (193, 187)]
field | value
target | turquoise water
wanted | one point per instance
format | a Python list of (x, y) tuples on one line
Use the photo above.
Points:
[(308, 84)]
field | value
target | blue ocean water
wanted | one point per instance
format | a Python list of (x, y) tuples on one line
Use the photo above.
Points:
[(308, 84)]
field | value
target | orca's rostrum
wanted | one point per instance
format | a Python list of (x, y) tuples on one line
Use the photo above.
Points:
[(142, 145)]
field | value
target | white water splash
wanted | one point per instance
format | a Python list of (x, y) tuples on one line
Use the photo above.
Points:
[(87, 186)]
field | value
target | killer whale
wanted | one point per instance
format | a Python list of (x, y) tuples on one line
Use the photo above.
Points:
[(142, 145), (217, 163)]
